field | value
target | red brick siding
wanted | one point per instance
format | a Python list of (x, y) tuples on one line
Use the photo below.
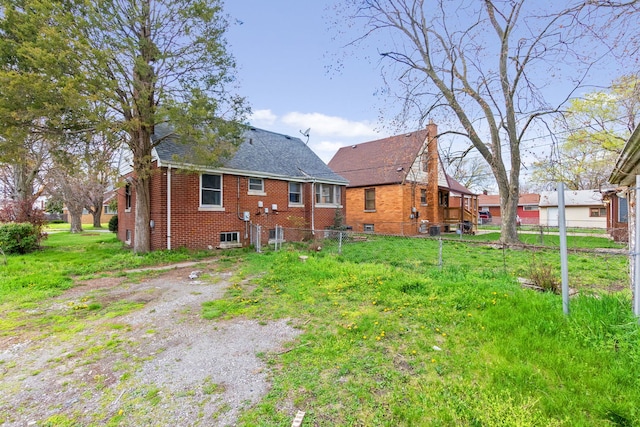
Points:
[(200, 229), (392, 214), (126, 219)]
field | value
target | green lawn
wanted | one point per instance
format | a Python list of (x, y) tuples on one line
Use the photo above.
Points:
[(392, 338), (27, 279)]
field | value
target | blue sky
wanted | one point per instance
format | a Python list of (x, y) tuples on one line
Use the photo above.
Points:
[(285, 50), (286, 53)]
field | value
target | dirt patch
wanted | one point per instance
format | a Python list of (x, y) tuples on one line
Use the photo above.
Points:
[(160, 364)]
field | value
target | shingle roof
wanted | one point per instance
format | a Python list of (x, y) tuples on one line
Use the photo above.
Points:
[(263, 153), (384, 161), (456, 187)]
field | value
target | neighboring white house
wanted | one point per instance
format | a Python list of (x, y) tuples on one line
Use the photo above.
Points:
[(583, 208)]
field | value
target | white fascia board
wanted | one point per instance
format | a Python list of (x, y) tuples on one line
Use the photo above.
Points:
[(251, 174)]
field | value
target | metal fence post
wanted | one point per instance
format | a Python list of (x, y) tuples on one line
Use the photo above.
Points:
[(340, 242), (564, 263)]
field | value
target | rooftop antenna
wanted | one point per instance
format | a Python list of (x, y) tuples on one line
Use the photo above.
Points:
[(306, 133)]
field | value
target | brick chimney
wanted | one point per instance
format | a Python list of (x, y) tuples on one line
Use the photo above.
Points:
[(433, 211)]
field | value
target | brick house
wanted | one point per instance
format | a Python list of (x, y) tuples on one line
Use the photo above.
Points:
[(272, 179), (397, 185), (528, 209)]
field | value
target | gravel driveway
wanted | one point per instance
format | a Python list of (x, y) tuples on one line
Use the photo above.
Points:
[(160, 365)]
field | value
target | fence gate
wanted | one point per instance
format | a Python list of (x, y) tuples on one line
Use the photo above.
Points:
[(256, 233)]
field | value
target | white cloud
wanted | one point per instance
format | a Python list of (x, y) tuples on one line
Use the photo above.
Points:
[(263, 118), (330, 126), (328, 133), (326, 149)]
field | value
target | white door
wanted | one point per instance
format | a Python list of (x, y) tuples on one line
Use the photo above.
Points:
[(552, 217)]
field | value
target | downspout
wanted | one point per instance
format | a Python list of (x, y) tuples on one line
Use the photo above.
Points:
[(313, 207), (246, 223), (313, 198), (169, 207)]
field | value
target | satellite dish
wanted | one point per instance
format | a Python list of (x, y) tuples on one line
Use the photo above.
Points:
[(306, 133)]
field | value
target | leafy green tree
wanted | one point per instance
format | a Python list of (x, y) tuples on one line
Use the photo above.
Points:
[(595, 128), (163, 64), (40, 87), (152, 64)]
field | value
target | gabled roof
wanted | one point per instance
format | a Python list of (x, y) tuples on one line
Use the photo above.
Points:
[(384, 161), (456, 187), (262, 153)]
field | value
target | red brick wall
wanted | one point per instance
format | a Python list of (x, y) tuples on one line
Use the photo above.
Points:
[(392, 214), (200, 229), (126, 219)]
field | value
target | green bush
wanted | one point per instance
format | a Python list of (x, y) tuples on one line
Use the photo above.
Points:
[(19, 238), (113, 224)]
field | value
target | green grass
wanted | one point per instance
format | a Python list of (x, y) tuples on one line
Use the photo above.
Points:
[(47, 272), (551, 240), (390, 339)]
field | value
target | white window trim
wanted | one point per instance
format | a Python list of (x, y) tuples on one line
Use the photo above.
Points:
[(293, 204), (620, 200), (255, 192), (129, 197), (214, 208), (332, 204)]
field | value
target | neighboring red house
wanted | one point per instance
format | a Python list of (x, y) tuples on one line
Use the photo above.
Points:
[(272, 179), (397, 185), (528, 209)]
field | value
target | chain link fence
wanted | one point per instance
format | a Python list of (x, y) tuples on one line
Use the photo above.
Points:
[(459, 250)]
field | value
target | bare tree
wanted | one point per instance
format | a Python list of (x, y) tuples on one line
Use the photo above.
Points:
[(468, 169), (99, 155), (71, 189), (23, 172), (485, 63)]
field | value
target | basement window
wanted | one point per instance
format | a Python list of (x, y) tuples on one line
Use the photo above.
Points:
[(230, 239)]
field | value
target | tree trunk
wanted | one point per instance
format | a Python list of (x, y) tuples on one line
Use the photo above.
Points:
[(23, 181), (97, 214), (75, 216), (508, 211), (142, 235)]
